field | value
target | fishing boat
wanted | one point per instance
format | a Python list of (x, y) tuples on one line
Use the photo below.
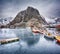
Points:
[(49, 36), (57, 27), (57, 39), (5, 41), (37, 31)]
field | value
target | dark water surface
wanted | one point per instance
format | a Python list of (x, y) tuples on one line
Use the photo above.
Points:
[(29, 43)]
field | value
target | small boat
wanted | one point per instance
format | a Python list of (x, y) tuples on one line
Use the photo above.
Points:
[(57, 39), (5, 41), (49, 36), (35, 31)]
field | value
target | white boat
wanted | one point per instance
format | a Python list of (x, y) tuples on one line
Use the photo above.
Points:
[(49, 36)]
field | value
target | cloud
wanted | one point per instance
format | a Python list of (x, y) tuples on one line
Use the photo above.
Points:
[(47, 8)]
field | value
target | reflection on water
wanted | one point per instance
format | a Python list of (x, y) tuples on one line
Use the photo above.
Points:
[(6, 33), (29, 43)]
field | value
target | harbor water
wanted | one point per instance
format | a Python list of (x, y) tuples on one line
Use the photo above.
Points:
[(29, 43)]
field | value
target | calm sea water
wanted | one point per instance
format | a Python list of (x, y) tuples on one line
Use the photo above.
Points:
[(29, 43)]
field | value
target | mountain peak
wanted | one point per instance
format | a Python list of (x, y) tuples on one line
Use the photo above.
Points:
[(32, 10)]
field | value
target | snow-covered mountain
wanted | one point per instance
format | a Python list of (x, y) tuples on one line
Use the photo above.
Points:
[(53, 20), (57, 20), (50, 20), (4, 21)]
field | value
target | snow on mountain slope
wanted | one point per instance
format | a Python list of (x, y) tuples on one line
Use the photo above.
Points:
[(4, 21)]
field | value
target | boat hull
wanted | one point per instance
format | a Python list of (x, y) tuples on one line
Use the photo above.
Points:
[(49, 37), (57, 39), (36, 31)]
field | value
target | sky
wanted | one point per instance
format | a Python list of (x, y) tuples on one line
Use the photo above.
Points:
[(47, 8)]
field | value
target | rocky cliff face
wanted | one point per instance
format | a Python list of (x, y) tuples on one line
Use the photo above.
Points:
[(26, 18)]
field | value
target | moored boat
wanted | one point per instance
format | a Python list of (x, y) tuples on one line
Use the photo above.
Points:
[(35, 31), (57, 39), (49, 36)]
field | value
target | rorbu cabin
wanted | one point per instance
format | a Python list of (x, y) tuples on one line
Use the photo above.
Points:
[(58, 27)]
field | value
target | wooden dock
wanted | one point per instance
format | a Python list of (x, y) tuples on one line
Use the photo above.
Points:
[(5, 41)]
